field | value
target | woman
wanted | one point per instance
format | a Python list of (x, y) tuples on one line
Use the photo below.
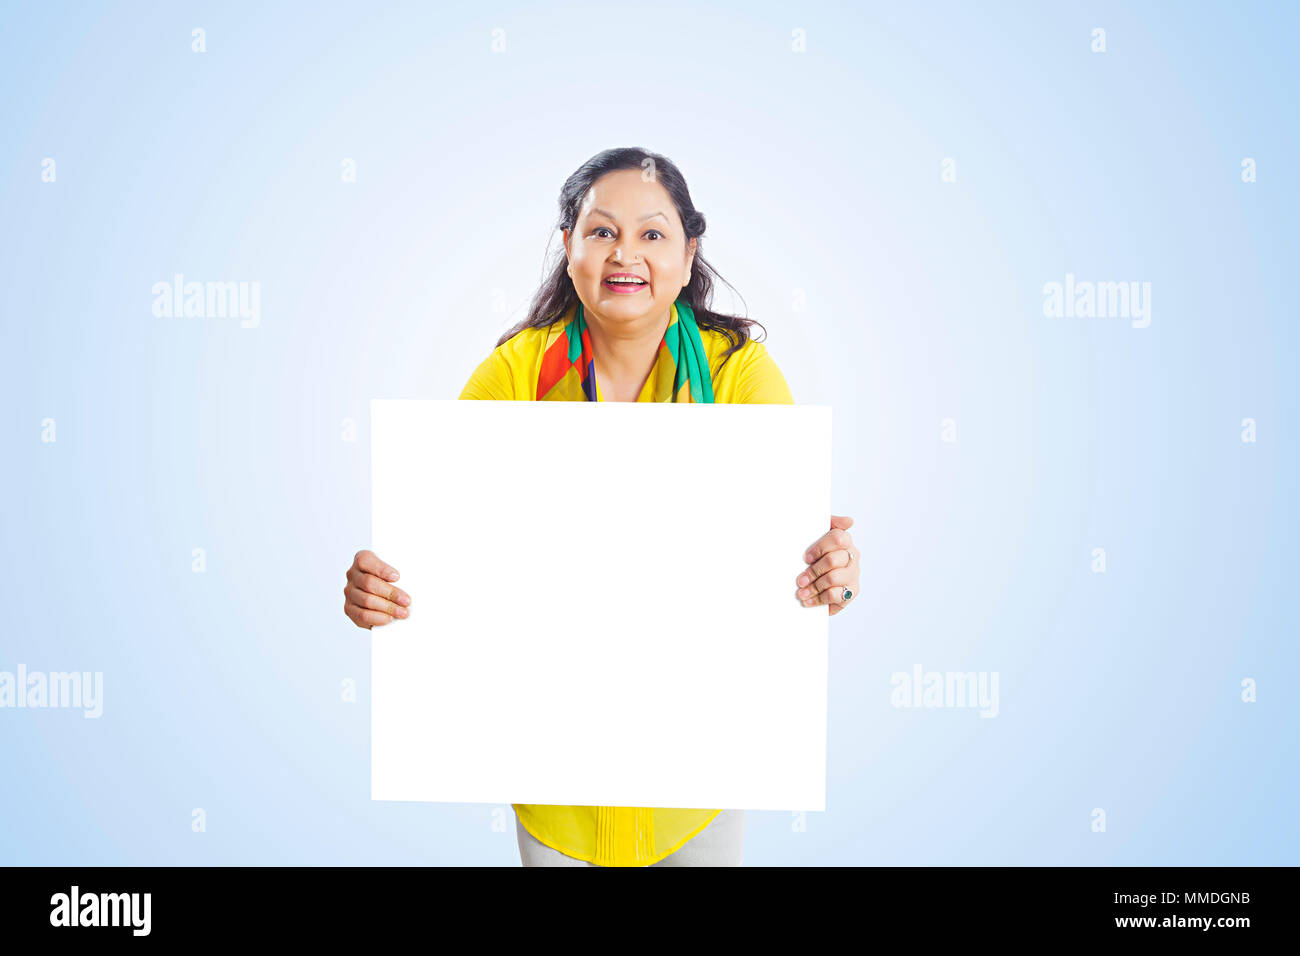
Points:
[(625, 317)]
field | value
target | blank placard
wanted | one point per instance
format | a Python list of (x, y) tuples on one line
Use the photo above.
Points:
[(602, 604)]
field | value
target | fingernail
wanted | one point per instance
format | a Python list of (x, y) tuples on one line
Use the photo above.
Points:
[(804, 592), (390, 575), (807, 602), (803, 579), (402, 612), (808, 557), (403, 600)]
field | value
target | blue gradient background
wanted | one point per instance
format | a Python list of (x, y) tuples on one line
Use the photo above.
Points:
[(820, 177)]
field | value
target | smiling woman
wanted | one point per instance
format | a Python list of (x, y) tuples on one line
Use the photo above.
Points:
[(625, 315), (631, 252)]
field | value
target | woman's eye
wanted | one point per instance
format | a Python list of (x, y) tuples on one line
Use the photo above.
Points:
[(600, 229)]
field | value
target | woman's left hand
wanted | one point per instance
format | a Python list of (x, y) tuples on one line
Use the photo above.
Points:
[(833, 567)]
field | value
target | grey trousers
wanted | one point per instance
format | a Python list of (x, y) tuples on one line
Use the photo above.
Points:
[(721, 843)]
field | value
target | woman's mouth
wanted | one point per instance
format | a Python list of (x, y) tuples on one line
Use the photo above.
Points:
[(625, 284)]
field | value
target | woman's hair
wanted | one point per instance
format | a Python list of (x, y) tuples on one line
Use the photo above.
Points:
[(557, 295)]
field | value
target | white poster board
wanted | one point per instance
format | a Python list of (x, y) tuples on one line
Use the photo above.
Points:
[(602, 604)]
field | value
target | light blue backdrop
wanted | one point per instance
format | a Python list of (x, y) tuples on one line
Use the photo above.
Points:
[(889, 186)]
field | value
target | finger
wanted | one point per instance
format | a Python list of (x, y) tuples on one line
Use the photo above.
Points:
[(832, 540), (836, 537), (368, 561), (832, 595), (815, 592), (362, 617), (836, 577), (838, 558), (364, 599), (368, 582)]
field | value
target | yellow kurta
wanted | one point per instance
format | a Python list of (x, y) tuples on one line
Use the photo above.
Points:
[(622, 836)]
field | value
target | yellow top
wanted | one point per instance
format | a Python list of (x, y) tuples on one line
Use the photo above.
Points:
[(622, 836)]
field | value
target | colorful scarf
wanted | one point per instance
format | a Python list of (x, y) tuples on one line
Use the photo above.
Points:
[(680, 373)]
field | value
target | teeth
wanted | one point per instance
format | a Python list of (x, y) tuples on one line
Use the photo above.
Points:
[(628, 281)]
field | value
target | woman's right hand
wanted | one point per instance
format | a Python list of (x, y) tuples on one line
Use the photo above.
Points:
[(368, 596)]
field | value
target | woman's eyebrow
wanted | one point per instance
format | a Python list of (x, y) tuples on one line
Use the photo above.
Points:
[(610, 217)]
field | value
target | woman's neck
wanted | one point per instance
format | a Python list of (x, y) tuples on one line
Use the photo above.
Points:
[(625, 356)]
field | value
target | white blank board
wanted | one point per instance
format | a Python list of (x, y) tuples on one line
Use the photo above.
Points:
[(602, 604)]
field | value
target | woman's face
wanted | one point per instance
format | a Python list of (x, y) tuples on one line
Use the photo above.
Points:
[(626, 225)]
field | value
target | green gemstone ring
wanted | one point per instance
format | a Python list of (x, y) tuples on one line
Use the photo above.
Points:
[(847, 594)]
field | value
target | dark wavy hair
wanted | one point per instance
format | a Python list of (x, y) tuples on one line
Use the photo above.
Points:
[(557, 295)]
